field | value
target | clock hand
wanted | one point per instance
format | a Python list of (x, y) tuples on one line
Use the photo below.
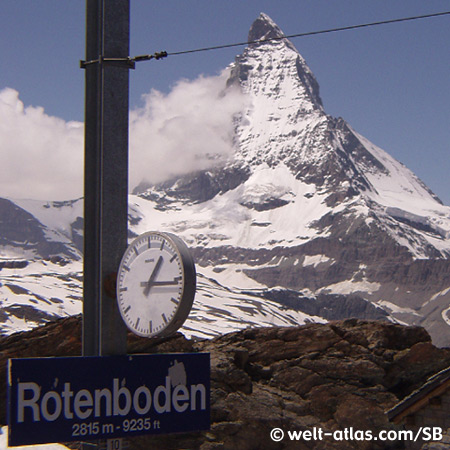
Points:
[(153, 276), (174, 282), (165, 283)]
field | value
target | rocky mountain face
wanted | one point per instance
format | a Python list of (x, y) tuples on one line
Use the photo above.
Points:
[(308, 222), (335, 375), (319, 218)]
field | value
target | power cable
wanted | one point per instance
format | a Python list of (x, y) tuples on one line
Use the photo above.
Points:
[(161, 55)]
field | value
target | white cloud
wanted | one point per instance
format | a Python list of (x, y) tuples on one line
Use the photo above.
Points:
[(188, 129), (41, 157)]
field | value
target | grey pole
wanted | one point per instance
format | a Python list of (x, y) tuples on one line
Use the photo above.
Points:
[(106, 171)]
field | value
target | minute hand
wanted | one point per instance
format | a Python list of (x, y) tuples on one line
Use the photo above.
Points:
[(155, 271), (161, 283)]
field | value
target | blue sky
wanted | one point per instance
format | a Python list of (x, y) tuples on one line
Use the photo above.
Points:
[(391, 83)]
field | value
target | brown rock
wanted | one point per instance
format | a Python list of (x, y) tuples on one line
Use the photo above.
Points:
[(329, 376)]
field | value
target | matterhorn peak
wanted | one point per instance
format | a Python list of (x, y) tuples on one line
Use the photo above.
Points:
[(264, 28), (272, 67), (285, 123), (283, 95)]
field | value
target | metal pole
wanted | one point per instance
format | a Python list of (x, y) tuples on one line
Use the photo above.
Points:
[(106, 172)]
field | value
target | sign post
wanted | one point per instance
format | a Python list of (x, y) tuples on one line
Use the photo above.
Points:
[(106, 171)]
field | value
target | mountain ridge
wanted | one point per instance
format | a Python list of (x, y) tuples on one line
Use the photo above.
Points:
[(307, 220), (310, 186)]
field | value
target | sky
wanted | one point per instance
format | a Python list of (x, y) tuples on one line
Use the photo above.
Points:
[(390, 83)]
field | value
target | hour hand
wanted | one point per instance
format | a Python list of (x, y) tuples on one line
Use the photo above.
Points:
[(153, 275), (173, 282)]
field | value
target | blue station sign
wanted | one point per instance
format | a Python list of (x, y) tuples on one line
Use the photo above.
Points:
[(90, 398)]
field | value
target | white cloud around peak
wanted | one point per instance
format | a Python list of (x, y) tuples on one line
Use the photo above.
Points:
[(190, 128)]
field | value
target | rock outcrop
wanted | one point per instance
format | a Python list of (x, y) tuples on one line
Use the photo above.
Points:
[(336, 375)]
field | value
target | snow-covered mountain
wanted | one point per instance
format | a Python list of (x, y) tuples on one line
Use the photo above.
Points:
[(308, 220)]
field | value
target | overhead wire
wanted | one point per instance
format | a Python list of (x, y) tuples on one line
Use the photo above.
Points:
[(309, 33)]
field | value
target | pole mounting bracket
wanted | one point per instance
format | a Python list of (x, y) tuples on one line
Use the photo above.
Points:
[(127, 63)]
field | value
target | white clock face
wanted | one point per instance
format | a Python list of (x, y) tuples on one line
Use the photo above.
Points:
[(154, 284)]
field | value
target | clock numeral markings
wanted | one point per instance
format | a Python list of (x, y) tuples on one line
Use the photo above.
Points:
[(127, 309), (162, 245), (164, 317), (174, 300), (151, 326), (126, 268), (123, 289), (173, 258), (136, 251), (137, 322)]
